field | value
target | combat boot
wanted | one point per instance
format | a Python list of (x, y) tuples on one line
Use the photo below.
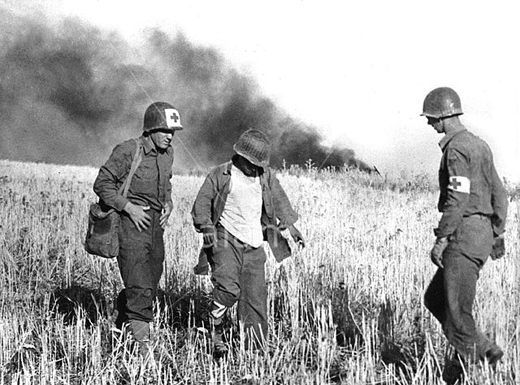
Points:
[(493, 355), (217, 312), (220, 348)]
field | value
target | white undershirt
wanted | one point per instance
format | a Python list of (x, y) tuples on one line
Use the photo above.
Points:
[(243, 210)]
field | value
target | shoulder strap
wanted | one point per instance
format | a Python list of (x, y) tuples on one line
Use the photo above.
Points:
[(135, 163)]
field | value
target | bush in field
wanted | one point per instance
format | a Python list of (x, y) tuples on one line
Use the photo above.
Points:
[(346, 309)]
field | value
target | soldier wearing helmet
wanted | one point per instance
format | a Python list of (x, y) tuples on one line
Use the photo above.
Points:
[(473, 204), (144, 213), (240, 205)]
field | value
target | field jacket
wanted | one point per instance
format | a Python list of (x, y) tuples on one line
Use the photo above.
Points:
[(150, 185), (469, 183), (277, 212)]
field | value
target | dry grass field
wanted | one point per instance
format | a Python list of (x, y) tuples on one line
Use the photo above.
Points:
[(345, 310)]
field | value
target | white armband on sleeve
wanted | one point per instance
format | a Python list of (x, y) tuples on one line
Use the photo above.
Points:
[(459, 184)]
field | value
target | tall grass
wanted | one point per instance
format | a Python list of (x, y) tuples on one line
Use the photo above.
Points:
[(346, 309)]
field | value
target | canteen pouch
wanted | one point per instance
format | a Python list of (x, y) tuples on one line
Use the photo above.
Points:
[(103, 221), (103, 231)]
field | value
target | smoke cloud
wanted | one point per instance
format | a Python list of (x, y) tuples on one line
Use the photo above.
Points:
[(69, 92)]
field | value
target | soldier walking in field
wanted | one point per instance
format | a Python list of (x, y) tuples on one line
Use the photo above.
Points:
[(473, 203), (240, 204), (144, 213)]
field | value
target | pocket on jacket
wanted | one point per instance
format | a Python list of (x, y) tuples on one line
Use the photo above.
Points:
[(475, 238)]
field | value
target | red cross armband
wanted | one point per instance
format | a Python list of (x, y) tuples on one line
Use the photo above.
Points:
[(459, 184)]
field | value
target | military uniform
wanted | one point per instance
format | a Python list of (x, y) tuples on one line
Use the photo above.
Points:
[(141, 253), (144, 212), (473, 203)]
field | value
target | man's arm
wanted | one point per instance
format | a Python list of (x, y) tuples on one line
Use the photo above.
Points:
[(202, 207), (111, 175), (282, 206), (284, 211), (455, 202), (499, 203), (168, 204), (168, 196), (457, 195), (498, 219)]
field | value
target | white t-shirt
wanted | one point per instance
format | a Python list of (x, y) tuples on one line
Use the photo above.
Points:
[(243, 210)]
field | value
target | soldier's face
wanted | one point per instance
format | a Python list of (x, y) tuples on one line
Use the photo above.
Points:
[(162, 139), (247, 167), (436, 124)]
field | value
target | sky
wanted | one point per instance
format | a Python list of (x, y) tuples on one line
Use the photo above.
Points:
[(358, 71)]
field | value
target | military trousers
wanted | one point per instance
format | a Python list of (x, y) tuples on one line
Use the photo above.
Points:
[(238, 274), (451, 293), (140, 260)]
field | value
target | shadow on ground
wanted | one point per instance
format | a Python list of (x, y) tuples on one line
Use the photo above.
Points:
[(76, 302)]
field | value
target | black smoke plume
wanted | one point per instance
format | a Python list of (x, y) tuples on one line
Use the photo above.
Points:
[(69, 92)]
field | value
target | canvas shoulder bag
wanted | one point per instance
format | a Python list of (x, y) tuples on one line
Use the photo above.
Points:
[(102, 237)]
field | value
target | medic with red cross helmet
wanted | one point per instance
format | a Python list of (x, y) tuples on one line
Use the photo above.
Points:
[(144, 213), (473, 203)]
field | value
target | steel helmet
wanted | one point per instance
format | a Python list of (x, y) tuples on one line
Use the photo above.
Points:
[(161, 116), (255, 147), (441, 103)]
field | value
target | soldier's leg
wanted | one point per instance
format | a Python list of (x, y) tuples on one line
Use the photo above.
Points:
[(133, 261), (252, 305), (460, 279), (462, 265), (434, 298), (155, 266), (156, 260), (136, 301), (476, 243), (226, 263)]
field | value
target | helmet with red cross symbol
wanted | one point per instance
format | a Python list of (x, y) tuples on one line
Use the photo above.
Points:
[(441, 103), (161, 116)]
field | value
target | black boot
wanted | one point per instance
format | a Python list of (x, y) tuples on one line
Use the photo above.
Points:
[(453, 372), (220, 348), (493, 355), (216, 314)]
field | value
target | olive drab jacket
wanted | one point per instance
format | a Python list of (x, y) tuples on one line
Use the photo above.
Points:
[(277, 212), (150, 185), (469, 183)]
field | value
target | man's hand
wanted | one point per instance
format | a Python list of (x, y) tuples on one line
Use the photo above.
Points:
[(499, 248), (137, 214), (209, 236), (297, 236), (165, 214), (437, 250)]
